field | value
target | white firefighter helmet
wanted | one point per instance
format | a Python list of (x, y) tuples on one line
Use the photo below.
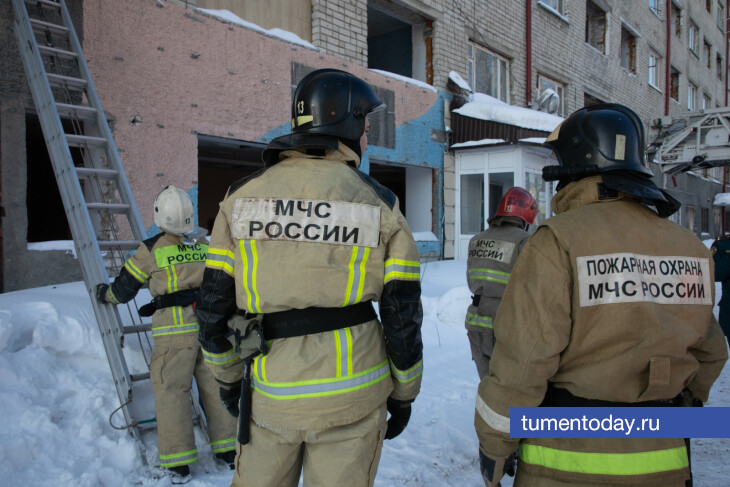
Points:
[(174, 211)]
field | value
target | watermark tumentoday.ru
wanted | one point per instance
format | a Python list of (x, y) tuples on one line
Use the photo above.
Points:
[(586, 423), (619, 422)]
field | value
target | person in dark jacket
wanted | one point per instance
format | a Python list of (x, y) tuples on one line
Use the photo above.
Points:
[(721, 255)]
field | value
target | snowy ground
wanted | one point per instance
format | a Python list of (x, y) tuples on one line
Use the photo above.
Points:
[(56, 395)]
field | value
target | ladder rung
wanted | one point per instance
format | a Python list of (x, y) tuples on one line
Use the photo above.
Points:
[(44, 3), (128, 330), (80, 111), (118, 244), (110, 207), (54, 51), (85, 140), (138, 377), (87, 172), (40, 25), (60, 80)]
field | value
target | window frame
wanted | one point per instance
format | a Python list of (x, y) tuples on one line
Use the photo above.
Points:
[(693, 38), (501, 61), (605, 25), (654, 72), (691, 96)]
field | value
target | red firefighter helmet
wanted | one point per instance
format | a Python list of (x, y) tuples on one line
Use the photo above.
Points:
[(518, 202)]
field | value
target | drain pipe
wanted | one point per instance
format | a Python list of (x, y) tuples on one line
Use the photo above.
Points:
[(528, 52), (667, 69)]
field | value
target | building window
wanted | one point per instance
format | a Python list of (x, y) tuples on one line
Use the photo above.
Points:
[(720, 65), (628, 50), (488, 72), (691, 97), (556, 5), (677, 19), (543, 83), (693, 38), (596, 26), (708, 5), (708, 53), (690, 212), (654, 6), (705, 220), (717, 217), (654, 69), (706, 102), (674, 84), (721, 16)]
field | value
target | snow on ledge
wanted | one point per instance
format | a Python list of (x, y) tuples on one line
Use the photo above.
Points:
[(67, 245), (459, 81), (534, 140), (721, 199), (424, 237), (473, 143), (485, 107), (228, 16), (420, 84)]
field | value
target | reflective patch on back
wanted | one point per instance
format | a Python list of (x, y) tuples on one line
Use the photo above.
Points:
[(299, 220), (628, 278), (487, 248), (620, 150)]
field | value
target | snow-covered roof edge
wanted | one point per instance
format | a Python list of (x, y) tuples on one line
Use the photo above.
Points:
[(485, 107)]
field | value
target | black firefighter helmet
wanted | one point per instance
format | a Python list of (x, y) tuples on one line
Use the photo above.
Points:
[(606, 139), (333, 102), (328, 104)]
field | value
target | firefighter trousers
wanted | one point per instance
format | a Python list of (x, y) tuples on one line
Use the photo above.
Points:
[(333, 457), (482, 346), (171, 372)]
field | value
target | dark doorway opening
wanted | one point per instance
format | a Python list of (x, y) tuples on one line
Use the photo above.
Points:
[(222, 162), (393, 178), (46, 215)]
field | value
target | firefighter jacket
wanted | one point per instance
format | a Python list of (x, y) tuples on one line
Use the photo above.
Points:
[(169, 266), (601, 307), (721, 255), (312, 231), (492, 254)]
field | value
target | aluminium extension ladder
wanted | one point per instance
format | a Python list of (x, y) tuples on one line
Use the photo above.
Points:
[(97, 198)]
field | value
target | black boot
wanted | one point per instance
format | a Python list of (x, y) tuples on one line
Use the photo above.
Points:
[(180, 474), (228, 457)]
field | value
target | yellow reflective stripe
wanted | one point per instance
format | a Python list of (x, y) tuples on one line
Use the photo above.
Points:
[(250, 266), (176, 329), (409, 270), (221, 446), (176, 459), (220, 358), (221, 259), (478, 320), (356, 275), (136, 273), (404, 376), (361, 284), (301, 120), (263, 367), (321, 387), (348, 334), (640, 463), (338, 351)]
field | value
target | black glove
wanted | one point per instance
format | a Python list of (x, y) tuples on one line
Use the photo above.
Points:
[(230, 396), (488, 466), (400, 413), (101, 293)]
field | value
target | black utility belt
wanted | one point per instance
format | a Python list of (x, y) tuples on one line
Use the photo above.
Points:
[(308, 321), (556, 397), (179, 298)]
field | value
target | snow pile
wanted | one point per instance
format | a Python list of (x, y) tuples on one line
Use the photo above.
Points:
[(485, 107)]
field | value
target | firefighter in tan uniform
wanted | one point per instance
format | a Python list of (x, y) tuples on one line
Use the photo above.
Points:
[(173, 266), (609, 304), (492, 254), (304, 247)]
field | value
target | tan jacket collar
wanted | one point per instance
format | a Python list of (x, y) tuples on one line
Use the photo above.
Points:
[(580, 193), (341, 154)]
